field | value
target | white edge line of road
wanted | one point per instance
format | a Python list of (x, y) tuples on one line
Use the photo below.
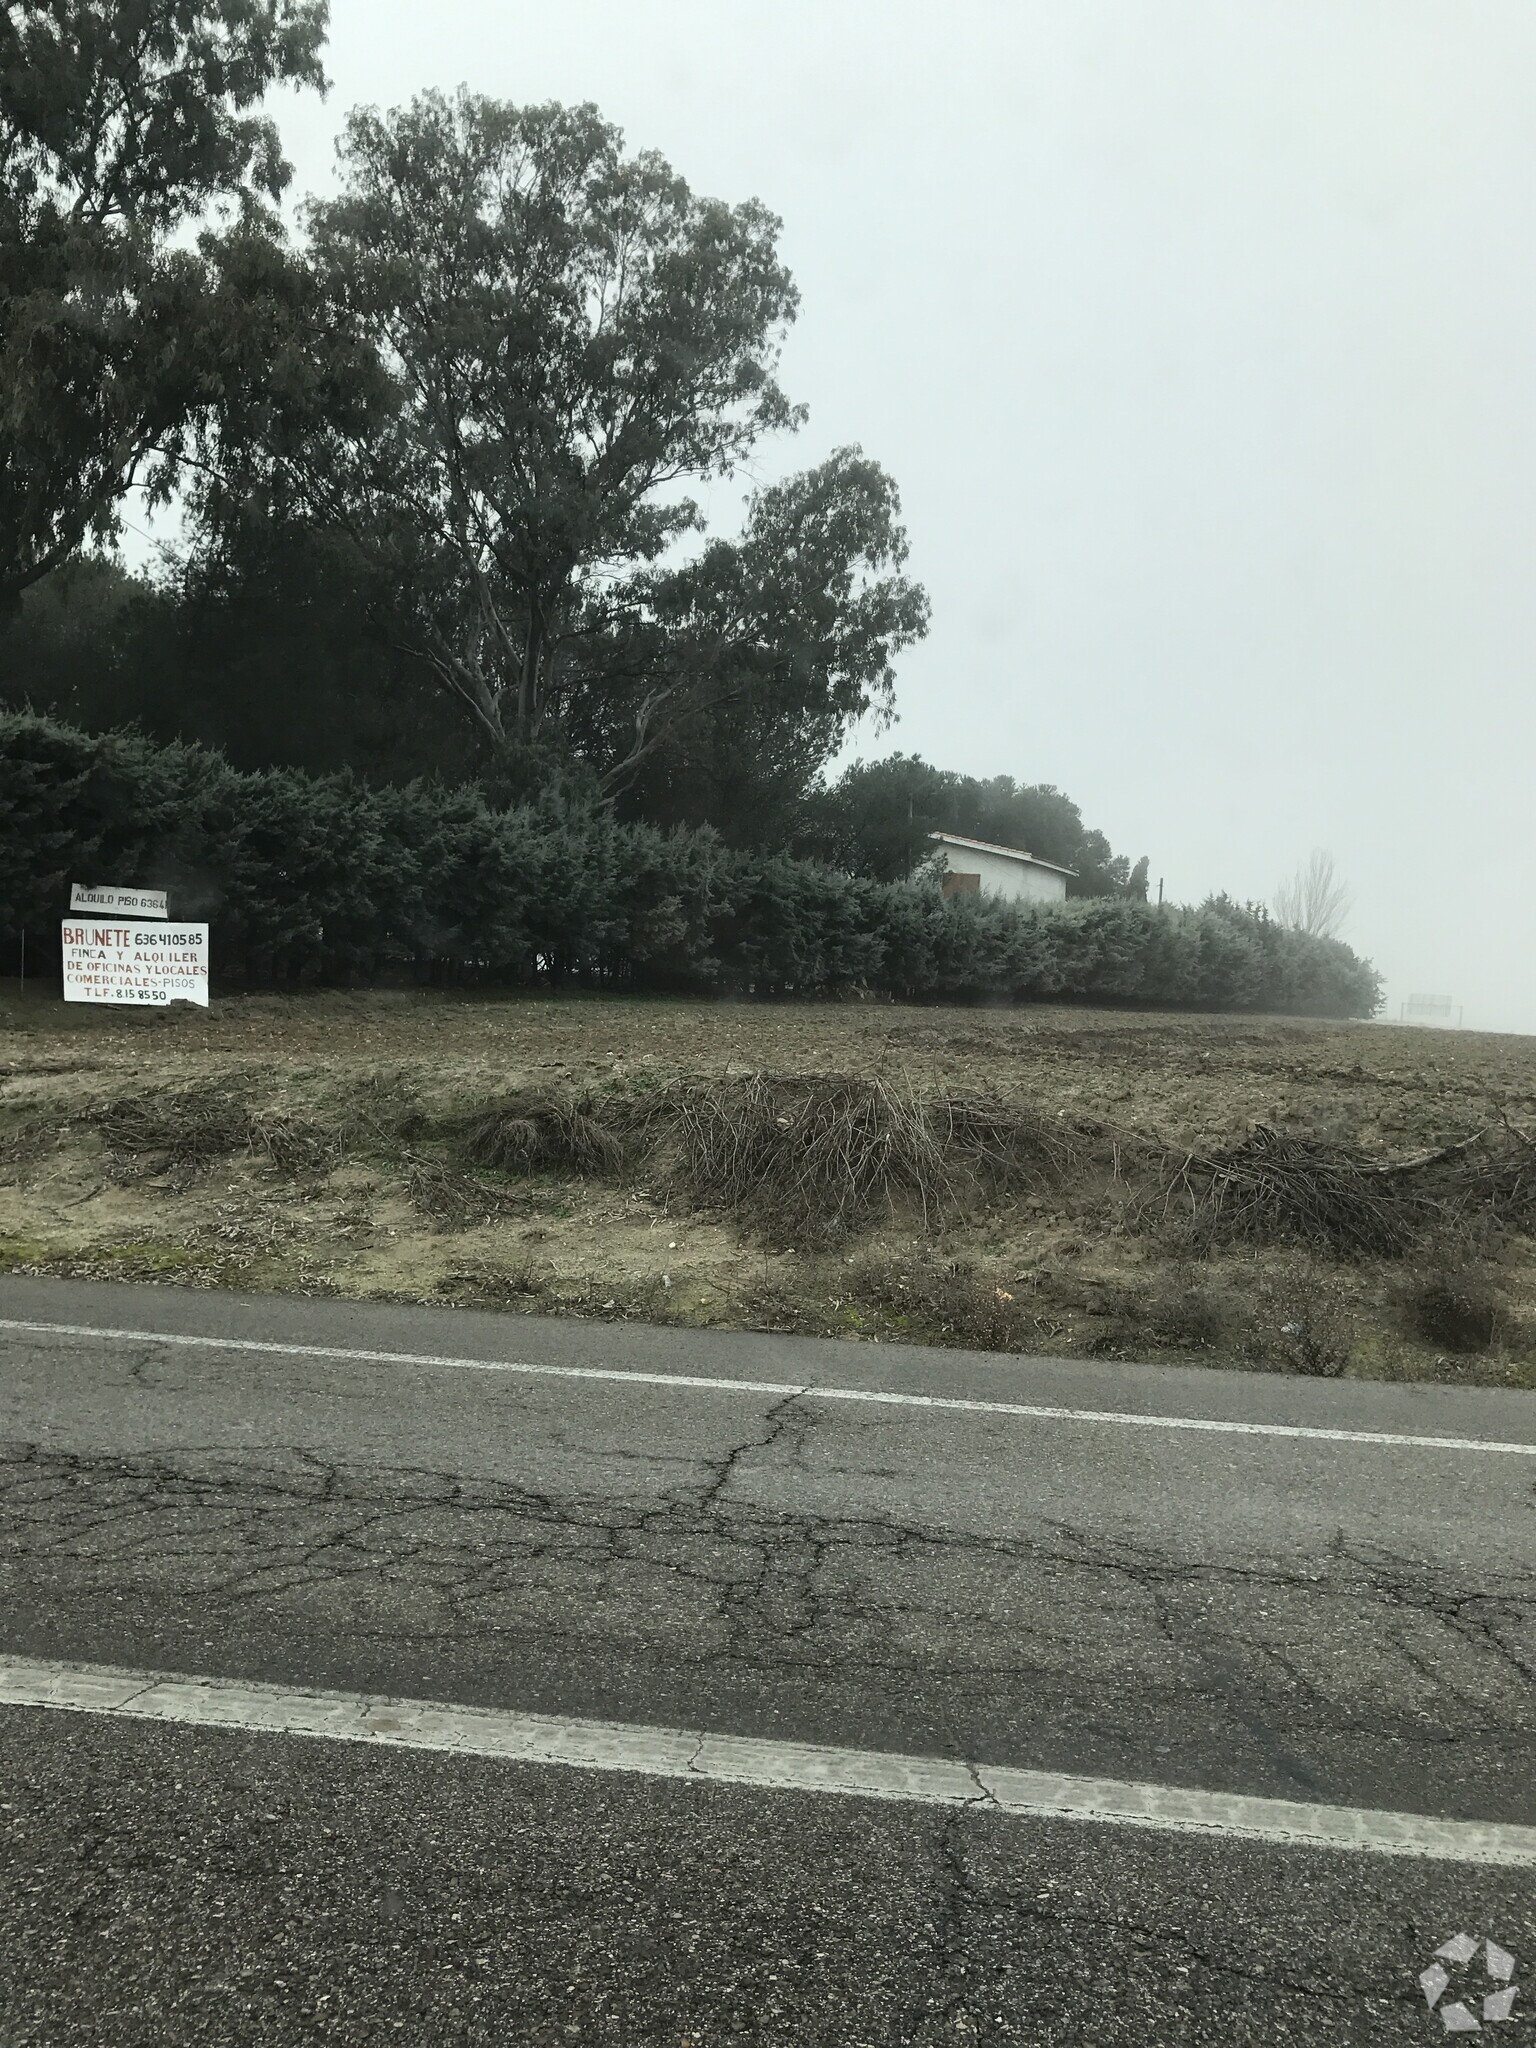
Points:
[(696, 1756), (784, 1388)]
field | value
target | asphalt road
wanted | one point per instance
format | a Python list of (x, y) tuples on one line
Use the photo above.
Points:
[(1344, 1617)]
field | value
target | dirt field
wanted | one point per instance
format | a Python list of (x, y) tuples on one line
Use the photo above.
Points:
[(318, 1144)]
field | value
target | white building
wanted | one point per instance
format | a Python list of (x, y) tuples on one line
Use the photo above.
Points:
[(1006, 871)]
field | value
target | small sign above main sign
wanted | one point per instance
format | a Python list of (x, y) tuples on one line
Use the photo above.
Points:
[(135, 963), (123, 902)]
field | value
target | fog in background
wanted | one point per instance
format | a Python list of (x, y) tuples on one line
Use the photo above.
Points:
[(1199, 338)]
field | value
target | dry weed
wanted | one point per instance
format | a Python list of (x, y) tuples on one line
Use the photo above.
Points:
[(822, 1157), (527, 1134), (819, 1158)]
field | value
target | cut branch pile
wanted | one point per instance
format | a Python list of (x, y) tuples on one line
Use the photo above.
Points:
[(451, 1198), (1277, 1186), (292, 1145), (186, 1127), (1499, 1178), (1273, 1186), (821, 1157), (185, 1130)]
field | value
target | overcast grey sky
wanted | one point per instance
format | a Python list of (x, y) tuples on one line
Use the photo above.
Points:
[(1201, 339)]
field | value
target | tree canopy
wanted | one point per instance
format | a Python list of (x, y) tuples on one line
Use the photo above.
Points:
[(121, 122), (876, 820), (569, 339)]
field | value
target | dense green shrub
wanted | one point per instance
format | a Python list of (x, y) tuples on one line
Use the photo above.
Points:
[(323, 879)]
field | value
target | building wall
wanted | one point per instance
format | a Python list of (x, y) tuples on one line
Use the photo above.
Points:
[(1011, 879)]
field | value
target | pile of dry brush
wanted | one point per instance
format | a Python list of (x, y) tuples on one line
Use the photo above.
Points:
[(1273, 1186), (816, 1157), (183, 1131)]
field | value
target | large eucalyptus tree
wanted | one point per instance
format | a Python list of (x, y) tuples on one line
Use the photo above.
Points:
[(574, 342)]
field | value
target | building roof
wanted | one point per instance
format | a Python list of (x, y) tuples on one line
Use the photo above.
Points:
[(1008, 852)]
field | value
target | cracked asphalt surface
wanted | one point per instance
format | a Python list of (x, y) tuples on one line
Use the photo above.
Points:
[(1334, 1622)]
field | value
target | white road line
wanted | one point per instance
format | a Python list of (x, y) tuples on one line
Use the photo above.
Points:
[(696, 1755), (624, 1375)]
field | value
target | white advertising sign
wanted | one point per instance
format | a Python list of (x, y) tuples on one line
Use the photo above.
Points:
[(118, 902), (109, 962)]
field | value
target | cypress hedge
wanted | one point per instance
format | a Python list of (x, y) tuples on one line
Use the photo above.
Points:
[(324, 880)]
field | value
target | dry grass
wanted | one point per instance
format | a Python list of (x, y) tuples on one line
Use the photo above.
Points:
[(532, 1134), (1319, 1199), (810, 1158), (821, 1158), (815, 1157), (187, 1130)]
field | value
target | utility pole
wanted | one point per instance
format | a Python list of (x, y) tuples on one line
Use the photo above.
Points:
[(1159, 892)]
